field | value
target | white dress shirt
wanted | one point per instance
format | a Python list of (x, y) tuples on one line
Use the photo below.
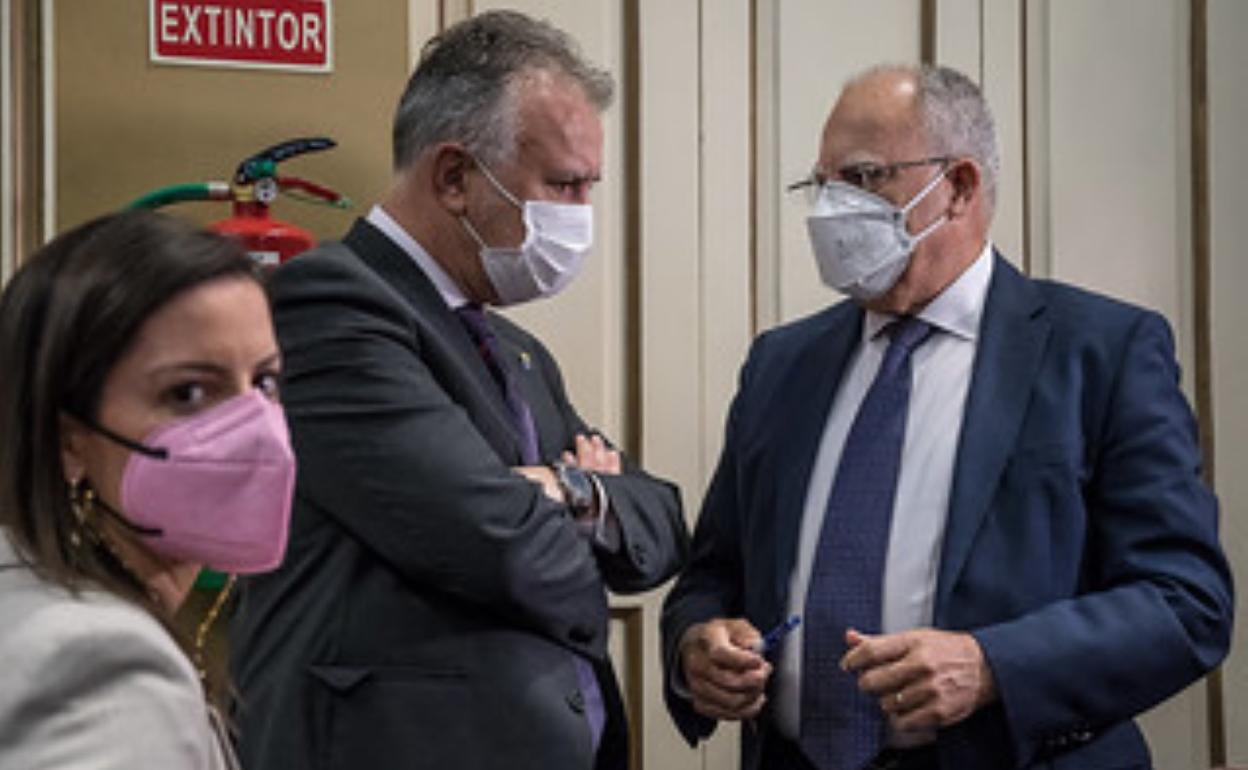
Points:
[(942, 374), (446, 286)]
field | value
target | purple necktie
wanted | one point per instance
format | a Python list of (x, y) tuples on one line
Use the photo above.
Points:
[(478, 326), (841, 727), (474, 320)]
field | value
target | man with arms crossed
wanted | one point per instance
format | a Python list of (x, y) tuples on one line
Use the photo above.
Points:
[(442, 601)]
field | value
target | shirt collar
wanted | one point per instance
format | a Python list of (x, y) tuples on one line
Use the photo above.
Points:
[(446, 286), (955, 310)]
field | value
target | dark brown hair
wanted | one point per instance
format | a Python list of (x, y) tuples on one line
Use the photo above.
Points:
[(66, 318)]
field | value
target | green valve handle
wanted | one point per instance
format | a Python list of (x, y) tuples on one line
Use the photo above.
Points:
[(264, 163)]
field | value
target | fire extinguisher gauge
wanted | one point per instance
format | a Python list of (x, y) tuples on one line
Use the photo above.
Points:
[(266, 190)]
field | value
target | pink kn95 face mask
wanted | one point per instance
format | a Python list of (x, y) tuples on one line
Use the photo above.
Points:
[(214, 488)]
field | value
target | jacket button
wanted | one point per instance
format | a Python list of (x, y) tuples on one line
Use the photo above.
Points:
[(639, 554), (576, 702)]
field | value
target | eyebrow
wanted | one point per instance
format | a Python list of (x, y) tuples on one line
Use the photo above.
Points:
[(573, 177), (207, 367)]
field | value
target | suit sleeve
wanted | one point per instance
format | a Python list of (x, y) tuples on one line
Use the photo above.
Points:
[(654, 538), (385, 452), (711, 585), (100, 687), (1155, 613)]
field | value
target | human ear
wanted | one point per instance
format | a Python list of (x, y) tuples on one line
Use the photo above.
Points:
[(73, 448), (967, 180), (449, 167)]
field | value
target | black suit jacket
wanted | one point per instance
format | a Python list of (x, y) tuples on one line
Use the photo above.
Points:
[(430, 597), (1081, 546)]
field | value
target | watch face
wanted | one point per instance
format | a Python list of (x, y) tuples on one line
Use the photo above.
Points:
[(577, 487)]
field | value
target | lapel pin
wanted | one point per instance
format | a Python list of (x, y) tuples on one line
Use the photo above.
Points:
[(525, 360)]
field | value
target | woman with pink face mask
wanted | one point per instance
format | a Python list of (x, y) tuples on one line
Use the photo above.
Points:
[(140, 440)]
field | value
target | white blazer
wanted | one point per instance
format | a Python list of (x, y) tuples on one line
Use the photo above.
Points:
[(92, 682)]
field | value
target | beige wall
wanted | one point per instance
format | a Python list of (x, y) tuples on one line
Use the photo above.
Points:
[(125, 126), (1117, 190), (720, 104)]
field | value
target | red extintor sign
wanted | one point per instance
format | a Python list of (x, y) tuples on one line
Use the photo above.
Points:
[(270, 34)]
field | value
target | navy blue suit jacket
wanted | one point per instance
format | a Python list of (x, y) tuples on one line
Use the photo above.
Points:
[(1081, 547)]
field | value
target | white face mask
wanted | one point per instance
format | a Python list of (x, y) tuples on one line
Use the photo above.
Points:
[(558, 237), (860, 240)]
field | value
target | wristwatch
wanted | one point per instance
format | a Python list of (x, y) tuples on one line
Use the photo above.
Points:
[(577, 485)]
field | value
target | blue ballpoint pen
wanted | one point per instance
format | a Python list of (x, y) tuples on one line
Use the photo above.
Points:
[(772, 638)]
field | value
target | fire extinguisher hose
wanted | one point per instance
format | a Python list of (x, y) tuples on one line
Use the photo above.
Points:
[(197, 191)]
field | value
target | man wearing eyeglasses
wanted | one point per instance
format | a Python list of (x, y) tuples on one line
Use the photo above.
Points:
[(959, 521)]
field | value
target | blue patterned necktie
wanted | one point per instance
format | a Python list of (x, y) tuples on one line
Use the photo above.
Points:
[(841, 727), (478, 326)]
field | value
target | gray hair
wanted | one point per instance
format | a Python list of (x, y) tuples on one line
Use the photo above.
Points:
[(954, 116), (461, 90)]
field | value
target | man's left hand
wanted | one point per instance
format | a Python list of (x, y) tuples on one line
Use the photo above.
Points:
[(925, 678), (593, 454)]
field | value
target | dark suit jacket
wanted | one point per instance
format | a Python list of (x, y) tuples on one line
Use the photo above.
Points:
[(1081, 548), (430, 597)]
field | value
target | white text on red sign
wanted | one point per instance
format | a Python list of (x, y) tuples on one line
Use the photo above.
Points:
[(291, 34)]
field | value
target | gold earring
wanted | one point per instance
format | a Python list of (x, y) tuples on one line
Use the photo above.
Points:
[(82, 504)]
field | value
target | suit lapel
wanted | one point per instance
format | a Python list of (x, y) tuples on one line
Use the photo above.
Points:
[(398, 270), (813, 383), (1013, 335)]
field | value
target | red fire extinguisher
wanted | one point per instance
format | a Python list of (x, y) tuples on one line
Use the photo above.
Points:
[(255, 186)]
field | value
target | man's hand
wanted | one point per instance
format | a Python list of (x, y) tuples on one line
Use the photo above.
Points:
[(593, 454), (924, 678), (540, 474), (726, 676)]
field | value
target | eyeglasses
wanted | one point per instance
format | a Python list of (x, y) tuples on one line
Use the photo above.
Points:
[(867, 176)]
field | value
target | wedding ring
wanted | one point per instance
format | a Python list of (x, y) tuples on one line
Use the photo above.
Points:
[(897, 697)]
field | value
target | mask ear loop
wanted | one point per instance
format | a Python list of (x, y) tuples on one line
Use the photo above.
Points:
[(919, 196), (83, 501), (503, 191), (158, 453), (498, 187), (472, 231)]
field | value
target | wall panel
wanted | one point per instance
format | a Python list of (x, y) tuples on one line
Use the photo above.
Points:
[(1002, 78), (1119, 152), (669, 261), (1112, 164), (982, 40), (726, 251), (959, 36), (819, 45), (1228, 156)]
